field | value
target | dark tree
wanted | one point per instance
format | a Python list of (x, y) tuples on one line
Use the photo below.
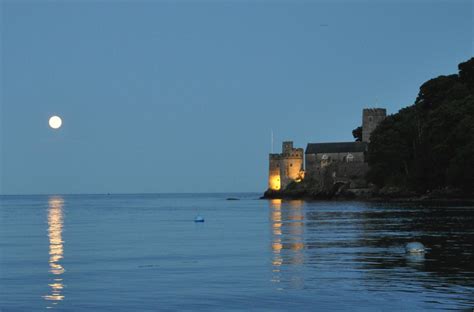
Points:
[(429, 145), (357, 134)]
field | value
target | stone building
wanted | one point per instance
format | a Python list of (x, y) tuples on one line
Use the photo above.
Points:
[(285, 167), (371, 117), (330, 163), (343, 162), (325, 164)]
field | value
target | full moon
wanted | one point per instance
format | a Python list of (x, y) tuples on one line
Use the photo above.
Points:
[(55, 122)]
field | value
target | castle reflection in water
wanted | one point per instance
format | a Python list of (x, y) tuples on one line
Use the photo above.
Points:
[(287, 222), (56, 249)]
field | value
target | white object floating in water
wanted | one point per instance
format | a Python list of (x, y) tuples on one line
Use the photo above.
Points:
[(199, 219), (414, 247)]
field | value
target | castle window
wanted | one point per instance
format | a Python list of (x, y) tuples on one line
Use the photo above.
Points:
[(349, 157), (291, 165), (325, 160)]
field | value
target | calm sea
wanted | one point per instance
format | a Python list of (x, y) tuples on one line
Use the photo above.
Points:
[(145, 253)]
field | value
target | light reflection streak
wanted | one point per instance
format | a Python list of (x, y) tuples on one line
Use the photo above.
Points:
[(287, 222), (56, 249)]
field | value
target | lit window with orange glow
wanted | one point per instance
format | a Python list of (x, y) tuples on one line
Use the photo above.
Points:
[(275, 183)]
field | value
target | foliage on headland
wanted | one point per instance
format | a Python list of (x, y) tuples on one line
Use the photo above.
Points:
[(430, 145)]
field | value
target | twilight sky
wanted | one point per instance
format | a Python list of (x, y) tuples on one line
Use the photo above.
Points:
[(165, 96)]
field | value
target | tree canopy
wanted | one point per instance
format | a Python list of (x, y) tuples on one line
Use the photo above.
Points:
[(357, 134), (430, 144)]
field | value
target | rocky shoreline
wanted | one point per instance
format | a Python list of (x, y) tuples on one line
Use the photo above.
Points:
[(388, 194)]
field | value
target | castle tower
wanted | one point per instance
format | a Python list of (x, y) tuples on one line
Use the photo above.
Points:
[(287, 147), (274, 172), (291, 164), (371, 117), (286, 167)]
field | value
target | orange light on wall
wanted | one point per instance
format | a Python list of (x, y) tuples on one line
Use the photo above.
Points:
[(300, 176), (275, 183)]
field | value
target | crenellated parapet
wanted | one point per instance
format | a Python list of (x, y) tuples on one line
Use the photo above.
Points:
[(286, 167)]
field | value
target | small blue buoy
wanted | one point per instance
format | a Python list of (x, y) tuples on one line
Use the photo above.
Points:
[(414, 247), (199, 219)]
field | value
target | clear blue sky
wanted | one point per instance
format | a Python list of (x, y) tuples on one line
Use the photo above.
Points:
[(165, 96)]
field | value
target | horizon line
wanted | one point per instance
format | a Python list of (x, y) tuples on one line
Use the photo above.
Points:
[(145, 193)]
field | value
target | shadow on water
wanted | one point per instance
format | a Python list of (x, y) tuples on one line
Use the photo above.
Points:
[(361, 246), (448, 234), (56, 250)]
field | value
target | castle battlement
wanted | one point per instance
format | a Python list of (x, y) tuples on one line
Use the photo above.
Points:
[(285, 167), (375, 110), (294, 153)]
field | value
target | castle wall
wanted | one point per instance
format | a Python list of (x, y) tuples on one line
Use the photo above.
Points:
[(351, 172), (371, 117), (314, 162), (311, 165), (354, 173), (291, 166), (357, 157), (274, 172)]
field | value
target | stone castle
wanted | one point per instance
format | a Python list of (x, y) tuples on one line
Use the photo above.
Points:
[(324, 165)]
